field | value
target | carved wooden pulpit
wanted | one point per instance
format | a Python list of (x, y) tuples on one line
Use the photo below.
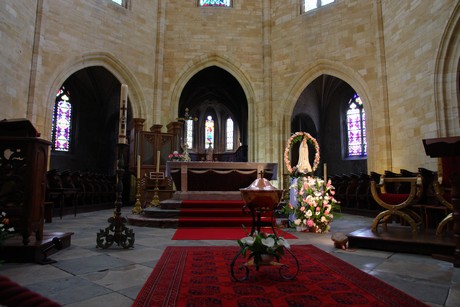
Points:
[(449, 148), (23, 161)]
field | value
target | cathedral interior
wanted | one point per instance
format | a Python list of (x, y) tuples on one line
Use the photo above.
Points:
[(374, 83)]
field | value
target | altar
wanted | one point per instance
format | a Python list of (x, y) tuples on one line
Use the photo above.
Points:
[(217, 176)]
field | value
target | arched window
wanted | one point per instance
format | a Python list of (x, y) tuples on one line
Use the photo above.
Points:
[(356, 128), (189, 133), (229, 136), (209, 132), (62, 121), (309, 5)]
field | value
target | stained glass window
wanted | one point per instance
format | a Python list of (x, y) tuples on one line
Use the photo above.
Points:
[(62, 121), (226, 3), (189, 133), (119, 2), (229, 131), (356, 128), (309, 5), (209, 132)]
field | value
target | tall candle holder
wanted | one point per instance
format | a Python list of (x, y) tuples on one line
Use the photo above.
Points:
[(156, 199), (121, 234), (138, 206)]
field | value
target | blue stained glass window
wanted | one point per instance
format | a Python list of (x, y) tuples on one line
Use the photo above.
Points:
[(62, 121), (226, 3), (356, 128), (209, 132)]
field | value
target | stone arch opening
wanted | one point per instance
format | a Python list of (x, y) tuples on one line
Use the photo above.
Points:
[(95, 97), (320, 108), (215, 90)]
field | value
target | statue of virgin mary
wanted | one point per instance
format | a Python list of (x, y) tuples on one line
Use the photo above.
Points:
[(303, 166)]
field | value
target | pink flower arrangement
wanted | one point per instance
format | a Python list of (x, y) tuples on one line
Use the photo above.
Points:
[(314, 203), (176, 156)]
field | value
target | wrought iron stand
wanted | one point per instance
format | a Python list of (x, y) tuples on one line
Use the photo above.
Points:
[(283, 269), (122, 235)]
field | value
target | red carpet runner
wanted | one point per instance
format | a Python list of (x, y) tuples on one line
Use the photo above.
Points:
[(213, 213), (221, 233), (200, 276), (216, 220)]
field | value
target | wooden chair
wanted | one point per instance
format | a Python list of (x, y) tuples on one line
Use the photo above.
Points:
[(350, 191), (429, 204), (363, 191), (397, 204), (443, 191)]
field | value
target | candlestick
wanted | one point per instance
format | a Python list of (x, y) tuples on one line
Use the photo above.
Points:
[(158, 161), (121, 234), (123, 115), (325, 172), (137, 205), (138, 166)]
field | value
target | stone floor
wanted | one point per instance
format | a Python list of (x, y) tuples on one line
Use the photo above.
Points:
[(88, 276)]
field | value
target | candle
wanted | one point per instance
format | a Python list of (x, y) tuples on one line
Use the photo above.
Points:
[(123, 109), (158, 161), (325, 172), (138, 166)]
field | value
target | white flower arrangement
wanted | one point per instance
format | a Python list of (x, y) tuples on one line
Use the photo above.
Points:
[(260, 243)]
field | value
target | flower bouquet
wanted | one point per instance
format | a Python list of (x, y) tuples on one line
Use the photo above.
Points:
[(311, 204), (262, 247), (175, 156)]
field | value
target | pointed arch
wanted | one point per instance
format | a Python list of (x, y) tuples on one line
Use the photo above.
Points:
[(227, 64), (342, 72), (109, 62), (334, 69), (447, 78)]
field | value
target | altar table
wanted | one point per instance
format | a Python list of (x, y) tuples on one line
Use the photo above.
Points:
[(218, 176)]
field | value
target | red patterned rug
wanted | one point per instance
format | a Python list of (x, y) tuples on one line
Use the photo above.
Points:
[(200, 276), (221, 233)]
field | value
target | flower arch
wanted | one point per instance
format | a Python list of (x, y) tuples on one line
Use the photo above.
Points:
[(298, 137)]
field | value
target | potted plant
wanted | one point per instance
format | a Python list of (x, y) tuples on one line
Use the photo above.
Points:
[(263, 248)]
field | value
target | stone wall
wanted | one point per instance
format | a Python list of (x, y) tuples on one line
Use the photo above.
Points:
[(388, 51), (413, 33), (17, 36)]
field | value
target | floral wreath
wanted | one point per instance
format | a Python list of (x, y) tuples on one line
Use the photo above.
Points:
[(297, 137)]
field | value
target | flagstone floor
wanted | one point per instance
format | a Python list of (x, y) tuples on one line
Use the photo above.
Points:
[(88, 276)]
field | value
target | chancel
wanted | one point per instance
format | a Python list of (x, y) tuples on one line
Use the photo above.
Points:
[(155, 114)]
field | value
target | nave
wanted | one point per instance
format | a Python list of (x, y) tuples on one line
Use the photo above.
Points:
[(88, 276)]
